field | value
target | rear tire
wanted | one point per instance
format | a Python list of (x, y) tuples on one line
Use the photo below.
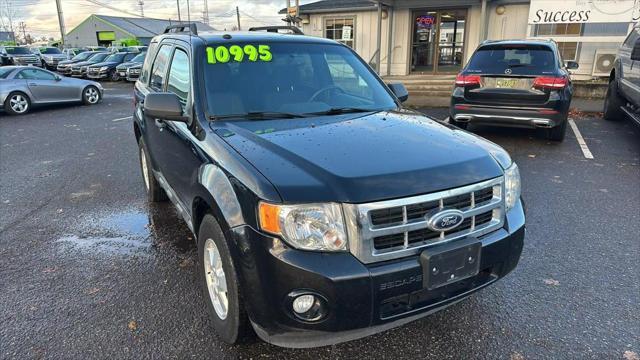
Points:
[(613, 103), (220, 285), (558, 132), (17, 103), (114, 76), (461, 125), (155, 193)]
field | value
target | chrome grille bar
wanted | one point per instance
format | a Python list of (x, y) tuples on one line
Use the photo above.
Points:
[(362, 233)]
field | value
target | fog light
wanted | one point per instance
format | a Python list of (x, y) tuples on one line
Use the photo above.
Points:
[(307, 306), (303, 303)]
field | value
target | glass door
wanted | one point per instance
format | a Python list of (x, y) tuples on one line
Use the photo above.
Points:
[(424, 41), (451, 41), (438, 41)]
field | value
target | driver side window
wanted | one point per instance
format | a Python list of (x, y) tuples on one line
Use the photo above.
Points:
[(35, 74), (345, 76)]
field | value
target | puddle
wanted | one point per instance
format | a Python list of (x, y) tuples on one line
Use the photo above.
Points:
[(132, 232), (114, 245)]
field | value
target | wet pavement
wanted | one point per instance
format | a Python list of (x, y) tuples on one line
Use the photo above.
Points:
[(88, 269)]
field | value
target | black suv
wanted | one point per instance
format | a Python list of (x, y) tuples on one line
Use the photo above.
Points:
[(107, 68), (514, 83), (323, 210)]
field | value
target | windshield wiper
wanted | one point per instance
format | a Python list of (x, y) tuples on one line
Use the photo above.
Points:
[(344, 110), (519, 65), (258, 115)]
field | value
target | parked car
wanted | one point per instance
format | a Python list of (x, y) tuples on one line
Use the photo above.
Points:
[(323, 210), (623, 94), (49, 56), (521, 83), (133, 72), (70, 53), (24, 87), (93, 48), (64, 67), (80, 69), (107, 68), (137, 60), (137, 48), (18, 55)]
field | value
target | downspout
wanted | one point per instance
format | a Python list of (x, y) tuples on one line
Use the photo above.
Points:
[(483, 21), (379, 37), (390, 14)]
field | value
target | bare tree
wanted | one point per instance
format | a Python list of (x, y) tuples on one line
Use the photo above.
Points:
[(8, 13)]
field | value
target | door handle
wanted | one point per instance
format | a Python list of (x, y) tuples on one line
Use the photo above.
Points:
[(33, 84), (160, 124)]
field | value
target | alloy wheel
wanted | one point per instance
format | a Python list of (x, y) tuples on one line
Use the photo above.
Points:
[(92, 95), (19, 104), (216, 279)]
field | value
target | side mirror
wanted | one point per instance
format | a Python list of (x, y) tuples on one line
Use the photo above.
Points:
[(399, 91), (572, 65), (58, 78), (635, 52), (164, 106)]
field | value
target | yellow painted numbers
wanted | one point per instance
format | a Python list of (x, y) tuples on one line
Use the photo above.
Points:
[(223, 54)]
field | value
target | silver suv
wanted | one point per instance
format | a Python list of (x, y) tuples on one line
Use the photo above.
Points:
[(623, 94)]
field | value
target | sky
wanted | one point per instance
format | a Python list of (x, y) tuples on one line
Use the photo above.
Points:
[(40, 16)]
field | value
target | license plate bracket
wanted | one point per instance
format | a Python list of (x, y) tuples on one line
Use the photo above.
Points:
[(450, 263)]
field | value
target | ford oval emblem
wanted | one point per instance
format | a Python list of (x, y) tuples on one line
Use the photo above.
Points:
[(445, 220)]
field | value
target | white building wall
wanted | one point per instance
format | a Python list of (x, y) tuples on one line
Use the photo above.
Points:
[(85, 33)]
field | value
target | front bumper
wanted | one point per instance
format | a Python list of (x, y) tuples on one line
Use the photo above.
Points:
[(362, 299), (98, 75), (78, 73)]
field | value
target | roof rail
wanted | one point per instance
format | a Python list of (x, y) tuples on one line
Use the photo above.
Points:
[(183, 27), (274, 29)]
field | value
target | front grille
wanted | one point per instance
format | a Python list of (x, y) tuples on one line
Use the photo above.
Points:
[(396, 228)]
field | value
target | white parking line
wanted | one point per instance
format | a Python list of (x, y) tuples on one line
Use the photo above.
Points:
[(121, 119), (583, 145)]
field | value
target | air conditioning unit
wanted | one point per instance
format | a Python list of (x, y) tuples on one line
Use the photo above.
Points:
[(603, 62)]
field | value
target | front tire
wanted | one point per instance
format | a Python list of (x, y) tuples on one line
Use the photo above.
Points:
[(114, 76), (220, 286), (155, 193), (613, 103), (91, 95), (17, 103)]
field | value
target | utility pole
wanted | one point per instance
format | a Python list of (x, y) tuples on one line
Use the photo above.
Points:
[(238, 17), (22, 26), (178, 6), (141, 4), (61, 22), (206, 12)]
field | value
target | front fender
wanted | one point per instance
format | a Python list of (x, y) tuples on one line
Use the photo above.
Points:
[(218, 186)]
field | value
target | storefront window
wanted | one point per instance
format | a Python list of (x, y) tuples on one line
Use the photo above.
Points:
[(581, 29), (568, 50), (340, 29), (558, 29)]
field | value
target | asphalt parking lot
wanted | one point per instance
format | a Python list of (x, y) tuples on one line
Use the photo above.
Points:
[(88, 269)]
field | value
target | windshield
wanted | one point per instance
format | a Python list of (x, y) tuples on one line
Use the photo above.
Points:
[(115, 58), (83, 56), (294, 78), (98, 57), (519, 59), (50, 51), (139, 57), (17, 50)]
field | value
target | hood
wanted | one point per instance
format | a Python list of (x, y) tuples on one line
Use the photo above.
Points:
[(128, 64), (360, 158), (23, 55), (54, 56), (83, 63), (67, 62)]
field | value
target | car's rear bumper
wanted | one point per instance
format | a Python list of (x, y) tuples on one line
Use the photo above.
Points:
[(361, 299), (546, 115)]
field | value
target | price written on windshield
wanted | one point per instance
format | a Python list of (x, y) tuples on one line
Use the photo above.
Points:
[(236, 53)]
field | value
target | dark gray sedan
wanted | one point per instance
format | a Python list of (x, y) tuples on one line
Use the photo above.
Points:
[(22, 87)]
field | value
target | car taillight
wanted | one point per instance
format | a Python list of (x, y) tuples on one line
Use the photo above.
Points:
[(550, 82), (467, 80)]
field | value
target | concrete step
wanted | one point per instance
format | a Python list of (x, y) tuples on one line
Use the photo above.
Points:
[(433, 93), (424, 82), (416, 87), (427, 101)]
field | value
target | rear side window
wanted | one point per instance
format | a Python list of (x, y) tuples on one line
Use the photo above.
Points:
[(159, 68), (513, 59), (179, 76)]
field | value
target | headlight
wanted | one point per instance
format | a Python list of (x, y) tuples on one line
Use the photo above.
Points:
[(308, 227), (104, 68), (512, 186)]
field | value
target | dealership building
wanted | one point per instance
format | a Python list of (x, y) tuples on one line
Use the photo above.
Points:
[(437, 37), (103, 30)]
